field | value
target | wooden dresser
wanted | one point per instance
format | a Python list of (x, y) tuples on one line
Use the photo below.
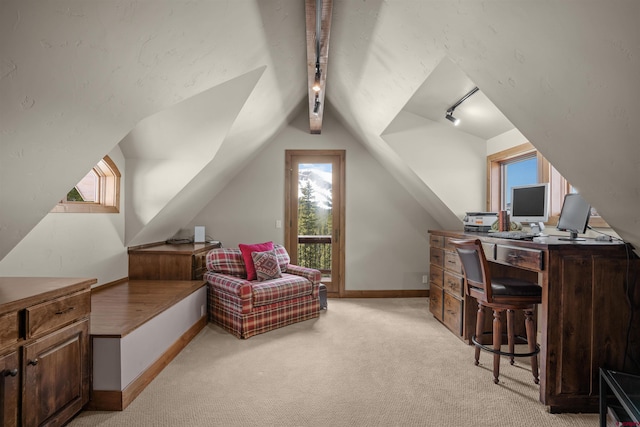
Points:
[(587, 307), (44, 349), (161, 261)]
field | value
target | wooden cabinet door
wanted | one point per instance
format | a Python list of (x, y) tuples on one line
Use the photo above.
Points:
[(56, 376), (9, 389)]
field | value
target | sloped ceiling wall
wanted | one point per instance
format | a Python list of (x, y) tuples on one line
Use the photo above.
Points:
[(76, 77), (561, 72), (166, 151)]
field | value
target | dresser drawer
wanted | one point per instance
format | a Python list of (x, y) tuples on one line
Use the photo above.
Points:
[(436, 275), (453, 283), (9, 329), (51, 315), (436, 256), (452, 262), (452, 313), (530, 259), (435, 301), (436, 241)]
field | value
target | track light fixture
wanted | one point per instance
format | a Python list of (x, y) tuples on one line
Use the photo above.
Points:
[(449, 115), (452, 119)]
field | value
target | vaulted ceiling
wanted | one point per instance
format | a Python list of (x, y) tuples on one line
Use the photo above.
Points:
[(179, 83)]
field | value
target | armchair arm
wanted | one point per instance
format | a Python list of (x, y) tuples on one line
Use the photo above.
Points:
[(311, 274), (231, 288)]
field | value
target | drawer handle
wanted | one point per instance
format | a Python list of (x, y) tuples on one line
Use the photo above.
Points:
[(33, 362), (10, 372), (66, 310)]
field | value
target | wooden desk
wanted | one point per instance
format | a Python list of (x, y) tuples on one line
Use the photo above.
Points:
[(584, 315)]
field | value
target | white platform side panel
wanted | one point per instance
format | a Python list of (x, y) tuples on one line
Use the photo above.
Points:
[(119, 361)]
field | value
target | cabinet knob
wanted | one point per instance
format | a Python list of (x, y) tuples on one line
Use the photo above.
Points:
[(33, 362), (10, 372)]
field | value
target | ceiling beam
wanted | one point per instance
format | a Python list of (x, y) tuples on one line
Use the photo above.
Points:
[(313, 55)]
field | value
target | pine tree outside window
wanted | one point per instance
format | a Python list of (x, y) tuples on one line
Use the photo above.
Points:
[(314, 227)]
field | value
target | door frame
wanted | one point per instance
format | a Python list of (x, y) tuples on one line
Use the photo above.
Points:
[(338, 212)]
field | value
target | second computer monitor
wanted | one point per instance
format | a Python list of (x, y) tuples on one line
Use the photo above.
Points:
[(574, 216)]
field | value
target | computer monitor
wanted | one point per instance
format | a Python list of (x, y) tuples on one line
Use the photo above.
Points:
[(530, 203), (574, 216)]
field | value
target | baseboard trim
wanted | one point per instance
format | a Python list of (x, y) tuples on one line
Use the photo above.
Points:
[(114, 400), (400, 293)]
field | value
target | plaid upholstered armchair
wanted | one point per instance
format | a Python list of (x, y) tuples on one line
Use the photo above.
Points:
[(254, 291)]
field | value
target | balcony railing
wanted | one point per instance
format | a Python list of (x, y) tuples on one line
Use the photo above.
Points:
[(315, 252)]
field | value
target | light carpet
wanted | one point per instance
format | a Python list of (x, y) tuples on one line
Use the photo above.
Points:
[(364, 362)]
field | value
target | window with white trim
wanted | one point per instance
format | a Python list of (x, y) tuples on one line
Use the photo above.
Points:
[(525, 162), (97, 192)]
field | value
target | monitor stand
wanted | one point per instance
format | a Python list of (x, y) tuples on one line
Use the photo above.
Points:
[(573, 237), (536, 228)]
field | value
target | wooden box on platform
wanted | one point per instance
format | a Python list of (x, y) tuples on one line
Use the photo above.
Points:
[(162, 261)]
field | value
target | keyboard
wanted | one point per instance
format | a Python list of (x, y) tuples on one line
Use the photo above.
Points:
[(515, 235)]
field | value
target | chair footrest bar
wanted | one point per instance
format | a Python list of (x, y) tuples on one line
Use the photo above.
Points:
[(522, 339)]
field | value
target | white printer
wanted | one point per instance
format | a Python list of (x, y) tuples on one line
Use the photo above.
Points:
[(479, 221)]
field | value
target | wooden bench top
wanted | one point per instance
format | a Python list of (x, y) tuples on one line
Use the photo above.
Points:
[(118, 309)]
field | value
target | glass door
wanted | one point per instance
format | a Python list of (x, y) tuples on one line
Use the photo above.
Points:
[(314, 214)]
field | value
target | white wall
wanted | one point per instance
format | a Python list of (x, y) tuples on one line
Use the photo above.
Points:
[(74, 244), (386, 229), (504, 141), (450, 162)]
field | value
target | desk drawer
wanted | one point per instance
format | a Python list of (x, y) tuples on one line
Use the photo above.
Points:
[(436, 241), (51, 315), (452, 262), (435, 301), (436, 256), (530, 259), (453, 283), (436, 275), (452, 313)]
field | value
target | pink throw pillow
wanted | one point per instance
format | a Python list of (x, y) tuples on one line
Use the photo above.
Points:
[(248, 260)]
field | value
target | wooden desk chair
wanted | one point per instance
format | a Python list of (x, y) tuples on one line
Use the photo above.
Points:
[(500, 294)]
